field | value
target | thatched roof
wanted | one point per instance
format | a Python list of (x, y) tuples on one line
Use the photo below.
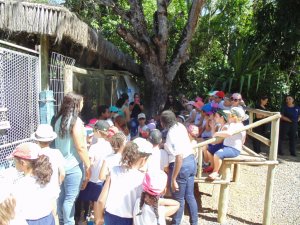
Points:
[(59, 22)]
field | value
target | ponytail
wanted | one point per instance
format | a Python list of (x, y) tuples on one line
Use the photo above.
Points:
[(42, 169)]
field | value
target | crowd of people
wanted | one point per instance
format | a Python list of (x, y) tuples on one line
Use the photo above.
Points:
[(125, 168)]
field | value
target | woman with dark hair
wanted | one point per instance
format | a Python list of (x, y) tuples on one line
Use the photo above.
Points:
[(290, 116), (182, 167), (135, 107), (174, 105), (262, 129), (122, 105), (71, 141)]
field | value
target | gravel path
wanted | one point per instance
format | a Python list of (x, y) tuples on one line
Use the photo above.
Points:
[(246, 201)]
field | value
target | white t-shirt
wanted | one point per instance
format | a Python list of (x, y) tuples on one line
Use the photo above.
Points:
[(97, 153), (235, 141), (178, 142), (158, 160), (33, 200), (57, 161), (125, 188), (148, 216), (113, 160), (18, 221)]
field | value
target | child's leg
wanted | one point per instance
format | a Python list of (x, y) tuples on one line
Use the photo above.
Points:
[(217, 163)]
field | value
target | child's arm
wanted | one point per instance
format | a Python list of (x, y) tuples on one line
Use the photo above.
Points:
[(103, 171), (99, 205), (171, 205)]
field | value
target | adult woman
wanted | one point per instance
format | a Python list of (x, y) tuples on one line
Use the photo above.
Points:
[(262, 129), (182, 166), (122, 105), (135, 107), (71, 142), (290, 116), (173, 104)]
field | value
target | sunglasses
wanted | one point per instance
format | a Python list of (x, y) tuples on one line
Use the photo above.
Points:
[(235, 100)]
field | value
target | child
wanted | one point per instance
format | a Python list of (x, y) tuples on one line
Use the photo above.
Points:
[(97, 153), (150, 209), (123, 186), (117, 142), (143, 130), (44, 135), (8, 213), (219, 122), (34, 195), (159, 160), (232, 143)]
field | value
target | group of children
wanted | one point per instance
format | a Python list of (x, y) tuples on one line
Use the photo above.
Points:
[(128, 179)]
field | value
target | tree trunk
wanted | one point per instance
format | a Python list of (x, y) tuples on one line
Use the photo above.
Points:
[(156, 88)]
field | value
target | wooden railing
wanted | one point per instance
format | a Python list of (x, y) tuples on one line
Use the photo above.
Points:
[(248, 157)]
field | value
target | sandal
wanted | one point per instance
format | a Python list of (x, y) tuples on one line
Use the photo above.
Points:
[(213, 176), (208, 169)]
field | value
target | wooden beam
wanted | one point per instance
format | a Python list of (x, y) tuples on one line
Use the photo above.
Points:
[(44, 61), (262, 112), (68, 79), (263, 139), (254, 163), (250, 151)]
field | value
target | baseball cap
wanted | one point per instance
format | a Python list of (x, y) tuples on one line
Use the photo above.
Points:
[(144, 146), (113, 109), (220, 94), (207, 108), (212, 93), (198, 104), (27, 150), (190, 103), (155, 182), (238, 112), (101, 125), (141, 116)]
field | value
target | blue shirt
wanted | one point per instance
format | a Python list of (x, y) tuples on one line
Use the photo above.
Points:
[(292, 113)]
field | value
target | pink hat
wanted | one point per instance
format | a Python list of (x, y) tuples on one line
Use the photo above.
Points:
[(198, 104), (112, 130), (198, 99), (155, 182), (236, 96), (26, 150), (190, 103), (92, 122), (193, 130)]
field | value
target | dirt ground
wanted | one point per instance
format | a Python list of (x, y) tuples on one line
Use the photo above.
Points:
[(246, 201)]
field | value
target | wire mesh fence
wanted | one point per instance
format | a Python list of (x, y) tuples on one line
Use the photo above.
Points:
[(19, 89), (57, 65)]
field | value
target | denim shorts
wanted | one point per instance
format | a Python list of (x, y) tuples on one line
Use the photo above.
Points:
[(47, 220), (227, 152), (213, 148)]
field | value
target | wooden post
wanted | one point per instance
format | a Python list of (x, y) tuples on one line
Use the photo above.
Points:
[(236, 173), (199, 172), (44, 60), (68, 79), (224, 193), (271, 173)]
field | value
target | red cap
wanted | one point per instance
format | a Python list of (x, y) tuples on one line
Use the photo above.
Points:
[(26, 150), (220, 94)]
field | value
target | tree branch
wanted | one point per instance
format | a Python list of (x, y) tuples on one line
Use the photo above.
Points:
[(162, 32), (138, 21), (180, 55), (139, 47)]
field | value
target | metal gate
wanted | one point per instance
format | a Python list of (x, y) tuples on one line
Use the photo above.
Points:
[(19, 92)]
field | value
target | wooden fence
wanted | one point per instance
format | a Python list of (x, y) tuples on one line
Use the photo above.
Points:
[(247, 157)]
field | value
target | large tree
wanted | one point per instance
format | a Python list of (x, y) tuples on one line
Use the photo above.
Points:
[(159, 58)]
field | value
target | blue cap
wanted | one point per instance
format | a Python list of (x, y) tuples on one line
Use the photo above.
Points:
[(207, 108), (113, 109)]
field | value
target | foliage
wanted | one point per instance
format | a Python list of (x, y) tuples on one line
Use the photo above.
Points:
[(246, 46)]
